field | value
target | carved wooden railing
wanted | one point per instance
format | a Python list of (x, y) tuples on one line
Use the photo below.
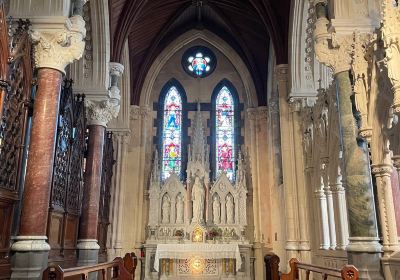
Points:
[(119, 268), (348, 272), (67, 184)]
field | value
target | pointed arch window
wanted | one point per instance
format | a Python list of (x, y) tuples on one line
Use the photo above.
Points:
[(172, 133), (225, 130)]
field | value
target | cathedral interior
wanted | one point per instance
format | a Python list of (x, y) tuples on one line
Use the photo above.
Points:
[(200, 139)]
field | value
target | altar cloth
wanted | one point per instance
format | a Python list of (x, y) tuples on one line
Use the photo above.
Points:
[(200, 250)]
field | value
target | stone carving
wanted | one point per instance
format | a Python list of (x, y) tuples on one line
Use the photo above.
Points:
[(359, 68), (229, 209), (335, 55), (101, 112), (198, 195), (58, 49), (390, 37), (216, 210), (166, 209), (179, 209)]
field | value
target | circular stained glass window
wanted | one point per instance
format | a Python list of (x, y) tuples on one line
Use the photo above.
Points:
[(199, 61)]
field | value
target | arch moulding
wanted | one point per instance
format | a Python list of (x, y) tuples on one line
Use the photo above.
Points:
[(181, 42)]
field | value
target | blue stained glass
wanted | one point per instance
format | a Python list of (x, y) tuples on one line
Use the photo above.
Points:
[(225, 132), (172, 134)]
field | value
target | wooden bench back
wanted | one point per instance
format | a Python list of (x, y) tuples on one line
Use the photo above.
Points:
[(119, 268), (348, 272)]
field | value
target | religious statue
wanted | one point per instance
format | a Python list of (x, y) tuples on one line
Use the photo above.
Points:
[(198, 195), (166, 208), (229, 210), (179, 210), (216, 210)]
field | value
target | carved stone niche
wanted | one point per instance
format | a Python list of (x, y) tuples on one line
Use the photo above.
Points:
[(173, 193), (228, 197)]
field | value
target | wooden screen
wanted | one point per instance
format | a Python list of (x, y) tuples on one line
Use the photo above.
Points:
[(67, 185), (15, 101), (105, 195)]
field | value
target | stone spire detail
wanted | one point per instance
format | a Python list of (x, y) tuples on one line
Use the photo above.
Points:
[(198, 162)]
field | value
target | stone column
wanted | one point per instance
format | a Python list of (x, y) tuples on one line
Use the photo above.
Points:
[(99, 113), (329, 204), (339, 204), (258, 265), (54, 50), (121, 142), (321, 200), (364, 250), (383, 174), (288, 167)]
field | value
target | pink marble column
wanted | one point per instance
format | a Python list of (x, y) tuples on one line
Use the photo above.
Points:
[(35, 203), (92, 180)]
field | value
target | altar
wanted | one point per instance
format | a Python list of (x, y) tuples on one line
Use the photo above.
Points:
[(197, 227), (201, 261)]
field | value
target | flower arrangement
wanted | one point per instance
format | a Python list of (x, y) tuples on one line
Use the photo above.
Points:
[(213, 233), (179, 233)]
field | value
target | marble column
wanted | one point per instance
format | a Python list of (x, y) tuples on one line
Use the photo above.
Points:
[(99, 113), (339, 204), (323, 209), (52, 55), (87, 242), (382, 173), (364, 250)]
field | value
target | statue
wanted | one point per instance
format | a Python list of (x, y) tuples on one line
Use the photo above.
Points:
[(216, 210), (229, 210), (179, 210), (198, 201), (166, 207)]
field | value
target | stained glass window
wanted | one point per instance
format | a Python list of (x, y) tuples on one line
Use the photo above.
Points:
[(225, 133), (172, 134), (199, 61)]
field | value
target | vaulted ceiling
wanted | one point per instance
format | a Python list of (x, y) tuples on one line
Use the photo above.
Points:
[(246, 25)]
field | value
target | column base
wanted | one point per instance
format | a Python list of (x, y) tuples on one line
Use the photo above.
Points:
[(30, 256), (88, 252), (365, 254)]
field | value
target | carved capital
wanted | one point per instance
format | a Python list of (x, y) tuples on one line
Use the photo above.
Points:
[(252, 114), (391, 39), (57, 49), (137, 112), (262, 113), (396, 162), (101, 112), (295, 104), (282, 72), (116, 69), (273, 107), (382, 170)]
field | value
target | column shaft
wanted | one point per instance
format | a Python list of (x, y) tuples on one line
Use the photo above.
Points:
[(92, 179), (39, 174)]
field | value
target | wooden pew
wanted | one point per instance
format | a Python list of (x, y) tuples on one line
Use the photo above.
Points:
[(119, 268), (348, 272)]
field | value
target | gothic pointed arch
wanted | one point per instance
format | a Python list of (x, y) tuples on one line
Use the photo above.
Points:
[(225, 129), (172, 129)]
